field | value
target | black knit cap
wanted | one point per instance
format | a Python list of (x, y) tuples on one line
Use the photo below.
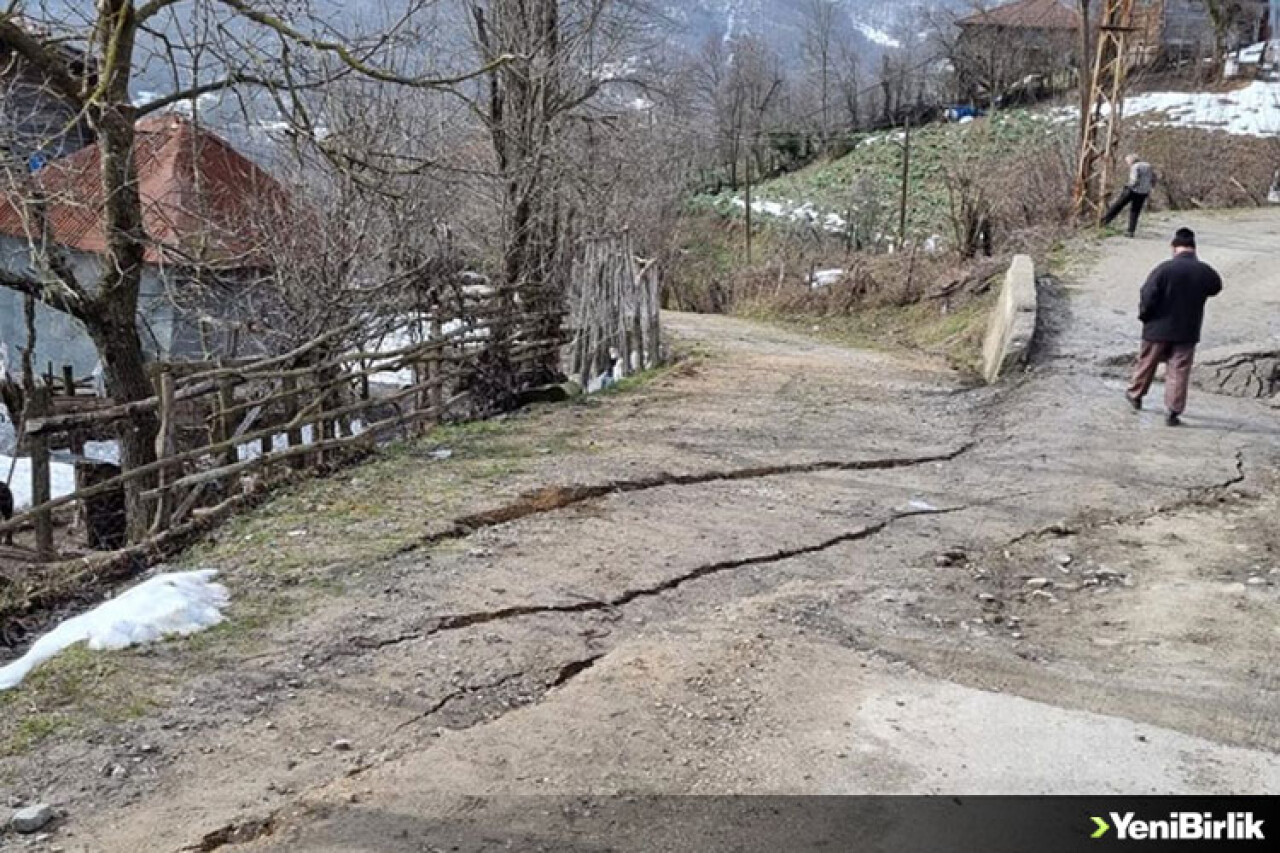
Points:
[(1184, 238)]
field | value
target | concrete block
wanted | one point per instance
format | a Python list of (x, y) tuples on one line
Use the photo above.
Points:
[(1013, 322)]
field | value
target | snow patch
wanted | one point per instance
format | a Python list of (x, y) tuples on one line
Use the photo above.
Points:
[(825, 278), (62, 478), (172, 604), (805, 213), (1253, 110), (876, 36)]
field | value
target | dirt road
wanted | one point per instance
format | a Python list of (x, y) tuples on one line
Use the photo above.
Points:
[(806, 569)]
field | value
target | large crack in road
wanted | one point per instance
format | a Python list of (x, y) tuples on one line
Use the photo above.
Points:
[(444, 624), (553, 498)]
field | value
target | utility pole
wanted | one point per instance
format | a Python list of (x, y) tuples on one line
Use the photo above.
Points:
[(1100, 130), (906, 177), (748, 182)]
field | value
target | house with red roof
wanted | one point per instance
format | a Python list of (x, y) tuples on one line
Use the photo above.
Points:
[(208, 213), (1004, 46), (1003, 42)]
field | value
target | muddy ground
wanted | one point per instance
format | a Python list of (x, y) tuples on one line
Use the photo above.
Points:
[(805, 569)]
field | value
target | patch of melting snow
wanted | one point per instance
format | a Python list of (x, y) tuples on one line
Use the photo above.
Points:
[(805, 213), (62, 477), (876, 35), (167, 605), (1253, 110), (825, 278)]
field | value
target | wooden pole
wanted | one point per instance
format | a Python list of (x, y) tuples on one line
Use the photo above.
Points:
[(653, 286), (435, 372), (294, 434), (69, 380), (226, 418), (748, 207), (41, 477), (164, 449), (906, 179)]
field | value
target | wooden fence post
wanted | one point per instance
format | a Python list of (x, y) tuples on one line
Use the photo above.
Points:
[(226, 418), (69, 380), (291, 408), (164, 449), (653, 302), (325, 428), (435, 368), (41, 478)]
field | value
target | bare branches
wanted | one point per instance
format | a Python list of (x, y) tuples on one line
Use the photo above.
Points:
[(348, 57), (55, 296), (45, 60)]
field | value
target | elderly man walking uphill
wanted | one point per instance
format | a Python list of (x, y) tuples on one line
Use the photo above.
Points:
[(1172, 314)]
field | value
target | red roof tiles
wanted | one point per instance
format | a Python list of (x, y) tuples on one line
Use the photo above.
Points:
[(1027, 14), (201, 199)]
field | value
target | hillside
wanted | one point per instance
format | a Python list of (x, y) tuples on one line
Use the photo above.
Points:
[(873, 26), (1169, 126), (830, 194)]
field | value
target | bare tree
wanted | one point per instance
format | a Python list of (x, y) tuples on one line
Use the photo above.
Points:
[(821, 49), (1085, 62), (283, 47), (1225, 16), (849, 81)]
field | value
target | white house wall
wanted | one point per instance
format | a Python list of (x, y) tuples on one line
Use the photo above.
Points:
[(63, 340)]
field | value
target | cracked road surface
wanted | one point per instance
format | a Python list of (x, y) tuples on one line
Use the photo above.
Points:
[(798, 569)]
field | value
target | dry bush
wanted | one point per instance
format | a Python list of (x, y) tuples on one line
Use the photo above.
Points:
[(1207, 169), (870, 281), (1030, 192), (1017, 201)]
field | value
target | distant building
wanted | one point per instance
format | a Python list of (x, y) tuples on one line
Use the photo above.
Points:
[(1012, 41), (206, 210), (36, 124), (1178, 31), (1013, 44)]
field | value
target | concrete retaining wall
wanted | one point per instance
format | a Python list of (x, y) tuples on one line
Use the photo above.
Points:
[(1013, 323)]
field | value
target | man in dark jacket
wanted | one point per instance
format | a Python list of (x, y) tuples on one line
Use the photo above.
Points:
[(1172, 314)]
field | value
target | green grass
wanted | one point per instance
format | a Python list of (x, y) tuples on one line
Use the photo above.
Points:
[(955, 336), (354, 518), (75, 689), (876, 162)]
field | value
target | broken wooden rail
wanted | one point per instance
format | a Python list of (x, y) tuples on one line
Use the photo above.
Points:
[(322, 387)]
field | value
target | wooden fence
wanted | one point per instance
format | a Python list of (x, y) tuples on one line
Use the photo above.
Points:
[(343, 392), (614, 310)]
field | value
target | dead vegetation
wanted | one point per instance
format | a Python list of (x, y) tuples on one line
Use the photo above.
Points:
[(1201, 169)]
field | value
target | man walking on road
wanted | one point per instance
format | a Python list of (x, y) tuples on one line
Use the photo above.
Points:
[(1142, 180), (1172, 314)]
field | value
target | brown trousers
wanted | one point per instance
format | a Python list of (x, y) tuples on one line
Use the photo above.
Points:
[(1180, 357)]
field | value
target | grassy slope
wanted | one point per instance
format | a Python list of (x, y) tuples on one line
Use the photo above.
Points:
[(297, 551), (954, 335), (877, 159)]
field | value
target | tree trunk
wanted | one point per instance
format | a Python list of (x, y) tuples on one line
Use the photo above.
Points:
[(125, 372), (1085, 63), (112, 318)]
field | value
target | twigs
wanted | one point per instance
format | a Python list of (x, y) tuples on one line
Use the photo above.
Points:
[(614, 311), (302, 406)]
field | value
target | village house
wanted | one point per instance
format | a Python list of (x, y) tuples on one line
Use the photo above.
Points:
[(36, 125), (1009, 44), (207, 211), (1006, 44), (1174, 32)]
